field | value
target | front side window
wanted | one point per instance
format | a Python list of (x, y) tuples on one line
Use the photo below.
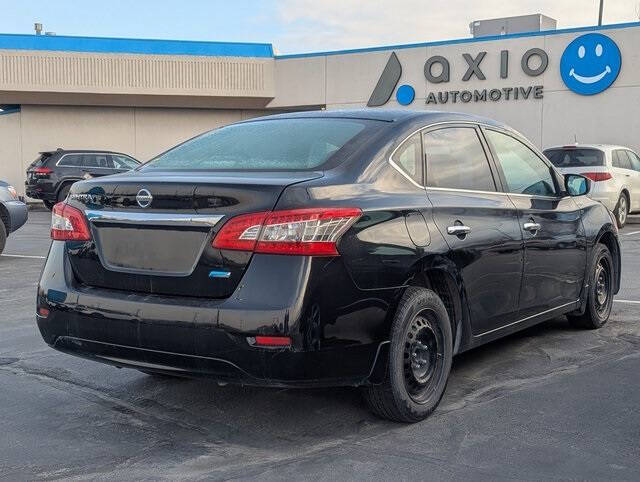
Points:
[(272, 144), (123, 162), (408, 157), (456, 160), (524, 171)]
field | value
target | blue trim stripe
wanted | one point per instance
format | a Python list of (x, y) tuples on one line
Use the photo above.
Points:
[(133, 46), (462, 40)]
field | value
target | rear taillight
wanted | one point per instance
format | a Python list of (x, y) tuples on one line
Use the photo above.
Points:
[(42, 171), (270, 341), (68, 224), (311, 232), (597, 176)]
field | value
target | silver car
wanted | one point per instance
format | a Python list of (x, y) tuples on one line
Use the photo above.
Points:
[(613, 170)]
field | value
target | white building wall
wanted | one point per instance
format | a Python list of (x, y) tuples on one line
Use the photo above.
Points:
[(141, 132), (347, 80)]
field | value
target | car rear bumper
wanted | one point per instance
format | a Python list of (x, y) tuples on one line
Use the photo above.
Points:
[(18, 214), (37, 193), (201, 337)]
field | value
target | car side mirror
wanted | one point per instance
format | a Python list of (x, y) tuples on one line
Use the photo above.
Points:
[(576, 185)]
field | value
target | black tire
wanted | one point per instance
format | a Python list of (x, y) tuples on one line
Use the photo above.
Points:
[(48, 204), (600, 295), (420, 331), (3, 236), (622, 210), (64, 190)]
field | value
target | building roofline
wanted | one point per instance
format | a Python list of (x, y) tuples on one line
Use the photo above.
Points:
[(593, 28), (67, 43)]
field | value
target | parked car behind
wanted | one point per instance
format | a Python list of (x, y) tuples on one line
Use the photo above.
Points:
[(51, 175), (613, 170), (13, 212), (360, 248)]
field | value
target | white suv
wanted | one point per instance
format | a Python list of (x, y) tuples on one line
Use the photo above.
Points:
[(613, 170)]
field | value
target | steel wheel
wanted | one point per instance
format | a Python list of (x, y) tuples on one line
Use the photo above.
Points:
[(423, 356), (602, 280), (622, 210)]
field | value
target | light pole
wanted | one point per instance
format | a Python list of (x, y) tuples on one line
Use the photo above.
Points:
[(600, 12)]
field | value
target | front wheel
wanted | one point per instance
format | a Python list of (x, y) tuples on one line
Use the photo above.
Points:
[(622, 210), (420, 356), (600, 292)]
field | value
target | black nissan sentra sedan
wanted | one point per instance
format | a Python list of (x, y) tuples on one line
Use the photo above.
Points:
[(361, 248)]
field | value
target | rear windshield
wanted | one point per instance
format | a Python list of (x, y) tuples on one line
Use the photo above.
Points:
[(270, 144), (562, 158), (41, 159)]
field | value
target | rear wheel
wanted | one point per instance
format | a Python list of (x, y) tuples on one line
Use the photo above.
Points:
[(622, 210), (64, 191), (49, 204), (420, 356), (600, 295), (3, 235)]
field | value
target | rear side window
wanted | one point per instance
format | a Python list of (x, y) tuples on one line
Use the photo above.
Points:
[(562, 158), (524, 171), (456, 160), (71, 160), (619, 159), (408, 158), (274, 144), (635, 160)]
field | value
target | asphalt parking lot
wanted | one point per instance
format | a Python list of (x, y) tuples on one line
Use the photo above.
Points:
[(548, 403)]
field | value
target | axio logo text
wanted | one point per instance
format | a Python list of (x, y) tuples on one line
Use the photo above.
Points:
[(590, 64)]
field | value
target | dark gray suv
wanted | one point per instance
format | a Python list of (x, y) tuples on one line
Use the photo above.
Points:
[(51, 175)]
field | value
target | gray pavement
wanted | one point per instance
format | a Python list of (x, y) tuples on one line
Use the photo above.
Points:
[(547, 403)]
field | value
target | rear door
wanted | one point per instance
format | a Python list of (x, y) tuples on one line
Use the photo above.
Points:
[(479, 223), (97, 165), (632, 174), (555, 250)]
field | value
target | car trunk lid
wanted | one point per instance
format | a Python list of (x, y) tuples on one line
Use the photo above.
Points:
[(152, 231)]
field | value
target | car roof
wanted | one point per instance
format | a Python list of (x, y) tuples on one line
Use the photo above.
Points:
[(83, 151), (386, 115), (600, 147)]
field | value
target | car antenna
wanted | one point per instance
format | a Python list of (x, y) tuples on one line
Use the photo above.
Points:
[(575, 139)]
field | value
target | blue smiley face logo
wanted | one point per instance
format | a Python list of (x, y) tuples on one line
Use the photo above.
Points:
[(590, 64)]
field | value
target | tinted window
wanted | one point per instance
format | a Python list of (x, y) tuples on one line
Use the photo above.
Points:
[(575, 157), (268, 144), (456, 160), (635, 160), (409, 157), (524, 171), (619, 159), (102, 160), (90, 161), (41, 160), (123, 162), (71, 160)]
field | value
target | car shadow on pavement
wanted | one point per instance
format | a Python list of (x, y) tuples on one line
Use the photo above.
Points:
[(282, 419)]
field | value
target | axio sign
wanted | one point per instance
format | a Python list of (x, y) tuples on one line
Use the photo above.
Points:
[(589, 65)]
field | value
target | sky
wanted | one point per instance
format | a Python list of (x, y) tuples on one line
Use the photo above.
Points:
[(294, 26)]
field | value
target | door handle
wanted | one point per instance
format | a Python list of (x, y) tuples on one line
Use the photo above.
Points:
[(458, 230), (532, 227)]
